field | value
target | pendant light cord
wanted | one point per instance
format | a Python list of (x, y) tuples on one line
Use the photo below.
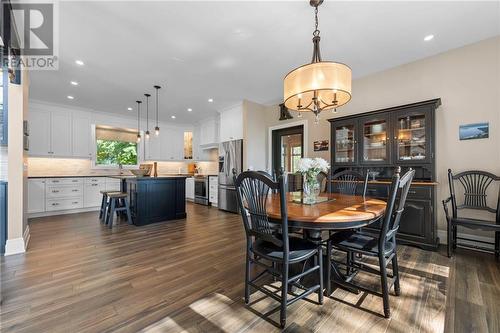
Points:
[(316, 31), (157, 107)]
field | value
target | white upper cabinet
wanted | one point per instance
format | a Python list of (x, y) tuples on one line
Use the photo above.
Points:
[(172, 144), (60, 133), (231, 124), (208, 133), (152, 147), (81, 135), (39, 138)]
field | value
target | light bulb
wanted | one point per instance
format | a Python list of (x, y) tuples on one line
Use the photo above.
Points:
[(147, 135), (138, 138), (334, 110), (316, 119), (299, 115), (157, 131)]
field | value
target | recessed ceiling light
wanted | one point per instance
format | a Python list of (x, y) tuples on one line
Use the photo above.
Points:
[(130, 109), (210, 100), (189, 109), (79, 62), (70, 97), (173, 117), (74, 83), (428, 38)]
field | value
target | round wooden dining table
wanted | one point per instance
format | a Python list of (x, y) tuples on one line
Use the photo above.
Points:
[(333, 211)]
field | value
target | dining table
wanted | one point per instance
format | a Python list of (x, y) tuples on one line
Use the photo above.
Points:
[(331, 212)]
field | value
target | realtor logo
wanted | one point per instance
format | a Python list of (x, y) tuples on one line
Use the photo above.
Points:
[(33, 32)]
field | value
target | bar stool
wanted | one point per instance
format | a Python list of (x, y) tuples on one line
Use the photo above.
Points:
[(104, 205), (117, 203)]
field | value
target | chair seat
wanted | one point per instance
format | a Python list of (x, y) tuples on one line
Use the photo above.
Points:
[(475, 223), (300, 249), (359, 242), (117, 195)]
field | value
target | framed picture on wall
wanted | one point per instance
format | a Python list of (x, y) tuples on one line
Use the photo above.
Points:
[(321, 145), (474, 131)]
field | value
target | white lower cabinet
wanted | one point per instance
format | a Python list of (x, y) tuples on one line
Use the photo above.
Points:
[(47, 195), (190, 188), (36, 195)]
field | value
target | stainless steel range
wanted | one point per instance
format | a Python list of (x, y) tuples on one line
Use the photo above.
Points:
[(201, 190)]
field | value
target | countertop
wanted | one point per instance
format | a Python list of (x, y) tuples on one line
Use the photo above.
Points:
[(116, 175), (416, 183), (149, 178)]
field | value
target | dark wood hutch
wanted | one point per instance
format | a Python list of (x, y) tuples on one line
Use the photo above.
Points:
[(377, 142)]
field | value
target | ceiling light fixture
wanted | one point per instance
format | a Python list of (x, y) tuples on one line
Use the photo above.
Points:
[(147, 116), (173, 117), (320, 85), (70, 97), (129, 109), (210, 100), (79, 62), (157, 128), (428, 38), (74, 83), (189, 109), (138, 121)]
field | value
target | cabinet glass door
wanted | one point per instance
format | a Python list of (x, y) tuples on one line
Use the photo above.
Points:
[(345, 143), (374, 137), (411, 137)]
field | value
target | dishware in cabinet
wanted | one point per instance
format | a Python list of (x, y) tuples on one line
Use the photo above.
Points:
[(374, 139), (412, 136), (345, 142)]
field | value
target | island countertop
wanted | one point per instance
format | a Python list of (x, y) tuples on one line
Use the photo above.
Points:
[(146, 178)]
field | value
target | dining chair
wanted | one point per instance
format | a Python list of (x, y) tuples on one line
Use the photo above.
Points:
[(348, 182), (382, 247), (265, 245), (323, 180), (475, 187)]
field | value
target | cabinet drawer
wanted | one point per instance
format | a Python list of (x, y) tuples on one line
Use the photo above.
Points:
[(420, 192), (377, 191), (212, 198), (113, 184), (213, 181), (63, 204), (64, 191), (96, 180), (64, 181)]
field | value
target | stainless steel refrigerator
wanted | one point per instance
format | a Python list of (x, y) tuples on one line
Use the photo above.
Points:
[(230, 157)]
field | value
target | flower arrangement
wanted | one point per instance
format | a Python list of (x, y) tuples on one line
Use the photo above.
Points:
[(310, 168)]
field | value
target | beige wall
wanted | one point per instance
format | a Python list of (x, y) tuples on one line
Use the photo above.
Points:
[(254, 135), (17, 233), (468, 82)]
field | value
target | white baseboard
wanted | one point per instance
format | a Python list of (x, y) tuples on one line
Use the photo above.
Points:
[(63, 212), (443, 238), (14, 246)]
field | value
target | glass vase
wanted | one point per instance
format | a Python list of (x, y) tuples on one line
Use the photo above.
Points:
[(310, 190)]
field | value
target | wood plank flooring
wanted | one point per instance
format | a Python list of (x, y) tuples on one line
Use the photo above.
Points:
[(187, 276)]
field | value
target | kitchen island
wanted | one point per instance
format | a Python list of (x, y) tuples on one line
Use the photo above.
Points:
[(156, 199)]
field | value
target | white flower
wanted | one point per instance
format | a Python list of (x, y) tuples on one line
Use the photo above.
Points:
[(312, 166)]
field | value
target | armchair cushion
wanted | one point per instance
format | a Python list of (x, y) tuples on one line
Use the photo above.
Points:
[(300, 249), (359, 242)]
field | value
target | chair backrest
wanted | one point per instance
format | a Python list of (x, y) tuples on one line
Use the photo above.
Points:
[(475, 184), (395, 206), (323, 181), (253, 189), (348, 182)]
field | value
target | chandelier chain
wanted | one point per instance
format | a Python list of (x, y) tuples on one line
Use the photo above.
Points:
[(316, 31)]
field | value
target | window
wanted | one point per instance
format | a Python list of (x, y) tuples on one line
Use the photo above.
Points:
[(115, 146)]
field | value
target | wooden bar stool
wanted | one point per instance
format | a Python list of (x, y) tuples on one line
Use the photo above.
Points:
[(117, 203), (104, 205)]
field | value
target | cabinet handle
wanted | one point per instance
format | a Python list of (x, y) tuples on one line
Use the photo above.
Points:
[(74, 190), (75, 202), (55, 204), (55, 181), (55, 191), (74, 180), (412, 192), (94, 184)]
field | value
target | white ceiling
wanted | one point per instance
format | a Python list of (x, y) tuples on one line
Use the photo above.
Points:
[(235, 50)]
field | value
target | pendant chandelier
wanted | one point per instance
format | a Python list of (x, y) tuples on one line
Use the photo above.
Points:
[(320, 85), (138, 121), (157, 128), (147, 116)]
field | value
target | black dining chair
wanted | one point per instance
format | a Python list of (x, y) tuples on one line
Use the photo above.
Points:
[(269, 248), (323, 180), (382, 247), (475, 186), (349, 182)]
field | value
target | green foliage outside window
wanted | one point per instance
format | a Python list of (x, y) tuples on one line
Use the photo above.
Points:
[(110, 152)]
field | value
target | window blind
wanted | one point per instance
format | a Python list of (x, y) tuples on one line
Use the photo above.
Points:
[(115, 134)]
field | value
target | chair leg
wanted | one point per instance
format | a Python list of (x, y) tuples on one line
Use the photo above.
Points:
[(385, 289), (111, 212), (103, 207), (497, 245), (129, 217), (320, 260), (454, 229), (284, 294), (349, 259), (329, 268), (395, 272), (450, 237), (247, 277)]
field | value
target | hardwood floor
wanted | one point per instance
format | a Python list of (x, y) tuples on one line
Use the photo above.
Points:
[(187, 275)]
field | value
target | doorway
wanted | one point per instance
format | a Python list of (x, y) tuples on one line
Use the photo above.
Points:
[(287, 148)]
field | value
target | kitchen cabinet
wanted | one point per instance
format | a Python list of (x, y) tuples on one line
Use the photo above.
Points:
[(190, 188), (92, 191), (153, 147), (81, 135), (40, 136), (213, 189), (231, 124), (375, 139), (345, 140), (172, 145), (209, 136), (50, 133), (36, 195), (113, 184)]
